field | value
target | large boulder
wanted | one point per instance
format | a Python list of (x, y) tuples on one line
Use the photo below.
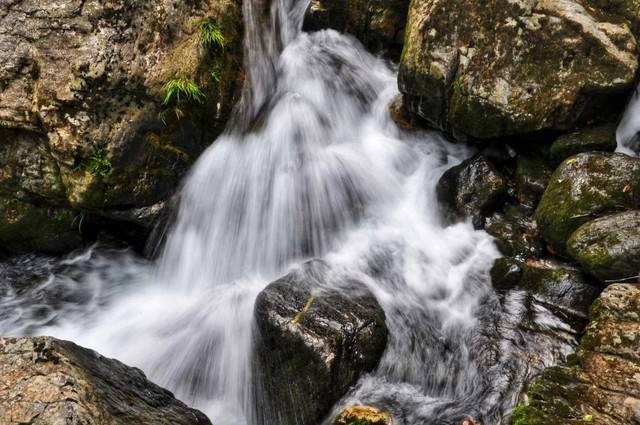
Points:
[(471, 189), (599, 384), (378, 24), (609, 247), (515, 233), (94, 114), (502, 67), (318, 333), (585, 187), (48, 381), (601, 138)]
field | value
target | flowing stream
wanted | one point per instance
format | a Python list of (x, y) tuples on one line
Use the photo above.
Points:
[(312, 166)]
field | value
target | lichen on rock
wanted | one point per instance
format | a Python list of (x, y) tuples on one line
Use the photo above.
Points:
[(500, 68)]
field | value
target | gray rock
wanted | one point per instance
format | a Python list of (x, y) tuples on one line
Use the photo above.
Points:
[(49, 381), (318, 333), (609, 247)]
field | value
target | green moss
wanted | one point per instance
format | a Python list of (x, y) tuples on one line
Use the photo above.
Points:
[(527, 415)]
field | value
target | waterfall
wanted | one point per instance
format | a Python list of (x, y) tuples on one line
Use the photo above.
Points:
[(311, 166), (628, 132)]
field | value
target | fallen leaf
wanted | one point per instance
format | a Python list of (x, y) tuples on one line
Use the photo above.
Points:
[(627, 188)]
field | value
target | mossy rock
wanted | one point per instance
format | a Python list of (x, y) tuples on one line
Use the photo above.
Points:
[(531, 178), (609, 247), (471, 189), (598, 384), (583, 188), (486, 69), (26, 227), (601, 138)]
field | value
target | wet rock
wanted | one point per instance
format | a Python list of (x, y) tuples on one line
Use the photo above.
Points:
[(609, 247), (86, 121), (471, 189), (599, 383), (318, 333), (585, 187), (531, 179), (49, 381), (560, 286), (601, 138), (485, 69), (363, 415), (378, 24), (515, 233)]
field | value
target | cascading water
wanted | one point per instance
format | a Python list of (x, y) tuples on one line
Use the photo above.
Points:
[(312, 166), (628, 132)]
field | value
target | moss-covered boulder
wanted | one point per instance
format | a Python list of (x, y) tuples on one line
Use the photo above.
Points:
[(47, 381), (319, 332), (601, 138), (471, 189), (89, 91), (363, 415), (502, 67), (599, 384), (609, 247), (378, 24), (560, 286), (585, 187)]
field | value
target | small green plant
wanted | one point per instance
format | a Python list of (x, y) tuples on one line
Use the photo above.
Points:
[(79, 219), (99, 164), (179, 91), (458, 87), (211, 35)]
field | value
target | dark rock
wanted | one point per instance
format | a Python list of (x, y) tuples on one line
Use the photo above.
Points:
[(486, 69), (531, 179), (48, 381), (378, 24), (318, 333), (602, 138), (609, 247), (560, 286), (585, 187), (515, 233), (472, 189), (599, 384)]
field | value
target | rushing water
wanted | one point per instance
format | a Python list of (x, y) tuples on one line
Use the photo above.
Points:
[(312, 166), (628, 133)]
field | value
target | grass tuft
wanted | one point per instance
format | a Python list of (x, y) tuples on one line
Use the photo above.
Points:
[(211, 35), (99, 164), (179, 91)]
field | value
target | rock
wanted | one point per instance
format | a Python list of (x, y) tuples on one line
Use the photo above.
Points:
[(83, 90), (609, 247), (560, 286), (318, 333), (599, 384), (601, 138), (471, 189), (515, 233), (502, 67), (49, 381), (378, 24), (585, 187), (531, 179), (25, 227), (363, 415)]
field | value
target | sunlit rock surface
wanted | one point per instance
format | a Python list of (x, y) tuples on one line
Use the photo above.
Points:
[(318, 334), (599, 384), (503, 67), (82, 121), (48, 381)]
